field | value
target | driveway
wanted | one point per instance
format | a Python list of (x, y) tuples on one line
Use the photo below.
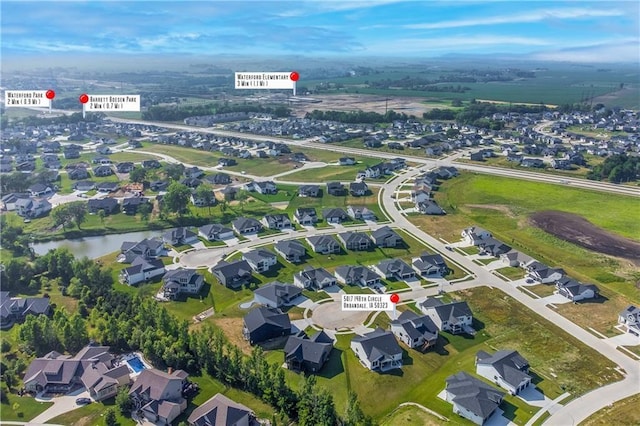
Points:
[(532, 396), (61, 405), (626, 339)]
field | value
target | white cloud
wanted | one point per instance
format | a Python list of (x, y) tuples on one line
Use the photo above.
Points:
[(518, 18), (454, 43), (607, 52)]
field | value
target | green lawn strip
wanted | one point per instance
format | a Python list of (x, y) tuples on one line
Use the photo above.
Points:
[(92, 414), (634, 349), (411, 415), (22, 408), (623, 413), (542, 290), (511, 272), (500, 161)]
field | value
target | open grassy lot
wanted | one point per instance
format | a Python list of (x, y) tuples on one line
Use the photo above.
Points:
[(511, 272), (332, 173), (500, 161), (328, 201), (622, 413), (91, 414), (503, 206), (542, 290), (26, 409), (410, 416)]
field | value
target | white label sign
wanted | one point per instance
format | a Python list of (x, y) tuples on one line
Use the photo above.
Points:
[(265, 80), (367, 302), (26, 98), (125, 103)]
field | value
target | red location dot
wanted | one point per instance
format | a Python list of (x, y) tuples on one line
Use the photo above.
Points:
[(395, 298), (50, 94), (84, 98), (294, 76)]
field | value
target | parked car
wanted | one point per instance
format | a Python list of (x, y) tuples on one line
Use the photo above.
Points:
[(83, 401)]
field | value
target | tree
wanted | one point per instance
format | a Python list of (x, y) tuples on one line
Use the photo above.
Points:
[(101, 215), (145, 210), (176, 199), (138, 175), (123, 402), (452, 133), (205, 193), (77, 212), (110, 418), (353, 415), (242, 200), (61, 216), (174, 171)]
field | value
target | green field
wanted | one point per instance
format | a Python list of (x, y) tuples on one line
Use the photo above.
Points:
[(333, 173), (26, 409), (503, 206), (91, 414), (410, 416), (622, 413)]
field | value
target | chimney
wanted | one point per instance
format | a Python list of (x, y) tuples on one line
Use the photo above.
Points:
[(170, 370)]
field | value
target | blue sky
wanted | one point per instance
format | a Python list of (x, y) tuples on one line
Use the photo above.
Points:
[(603, 31)]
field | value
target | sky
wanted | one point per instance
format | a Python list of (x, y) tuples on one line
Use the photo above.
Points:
[(576, 31)]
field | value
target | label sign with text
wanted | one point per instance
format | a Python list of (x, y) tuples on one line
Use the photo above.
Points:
[(125, 103), (266, 80), (26, 98), (367, 302)]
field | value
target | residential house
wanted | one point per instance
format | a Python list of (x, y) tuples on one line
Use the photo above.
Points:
[(232, 274), (265, 188), (227, 162), (191, 182), (306, 216), (576, 291), (181, 281), (360, 213), (218, 179), (263, 323), (415, 331), (355, 240), (378, 350), (309, 191), (334, 215), (180, 236), (506, 368), (308, 354), (311, 278), (229, 193), (493, 247), (9, 200), (386, 237), (357, 275), (107, 205), (542, 273), (472, 398), (130, 205), (336, 189), (532, 162), (151, 164), (629, 319), (159, 395), (30, 208), (159, 185), (16, 309), (102, 171), (215, 232), (454, 317), (474, 235), (148, 248), (246, 225), (220, 410), (420, 195), (277, 221), (39, 190), (358, 189), (78, 173), (193, 172), (291, 250), (430, 207), (323, 244), (276, 294), (124, 167), (347, 161), (142, 269), (430, 265), (447, 172), (395, 269), (515, 258), (260, 260), (107, 186)]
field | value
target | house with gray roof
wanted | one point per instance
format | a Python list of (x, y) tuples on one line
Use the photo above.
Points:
[(264, 323), (215, 232), (506, 368), (474, 235), (493, 247), (629, 319), (246, 225), (515, 258), (309, 191), (158, 395), (148, 248), (16, 309), (260, 260), (454, 317), (107, 205), (358, 241), (377, 350), (358, 189), (31, 208), (181, 281), (314, 278), (277, 221), (232, 274), (336, 189), (334, 215), (472, 398), (305, 216), (324, 244), (222, 411), (357, 275), (142, 269), (308, 354), (576, 291), (415, 331), (276, 294), (291, 250), (430, 207), (395, 269), (430, 265), (360, 213), (386, 237), (180, 236), (543, 274)]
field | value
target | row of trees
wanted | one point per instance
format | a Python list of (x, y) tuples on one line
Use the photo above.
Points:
[(70, 213), (357, 116), (176, 113), (617, 168)]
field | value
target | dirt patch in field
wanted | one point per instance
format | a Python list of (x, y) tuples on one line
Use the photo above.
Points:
[(232, 328), (370, 103), (504, 209), (577, 230)]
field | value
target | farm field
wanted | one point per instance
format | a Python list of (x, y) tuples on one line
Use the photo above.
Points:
[(503, 206)]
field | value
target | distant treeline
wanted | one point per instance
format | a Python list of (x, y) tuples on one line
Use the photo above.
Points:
[(177, 113), (357, 116), (617, 169)]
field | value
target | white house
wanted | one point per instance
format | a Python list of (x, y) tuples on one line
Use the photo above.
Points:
[(454, 317), (506, 368), (630, 319), (472, 398), (475, 234), (378, 350)]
